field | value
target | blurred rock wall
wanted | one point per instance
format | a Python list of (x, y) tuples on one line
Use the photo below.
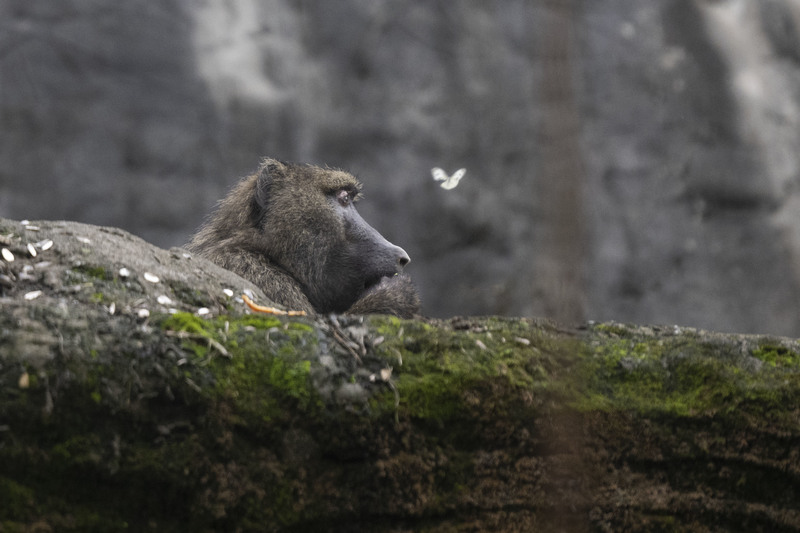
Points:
[(625, 160)]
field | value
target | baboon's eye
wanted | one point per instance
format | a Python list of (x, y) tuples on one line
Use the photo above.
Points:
[(344, 197)]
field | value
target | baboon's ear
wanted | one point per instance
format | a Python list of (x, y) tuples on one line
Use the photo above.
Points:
[(264, 183)]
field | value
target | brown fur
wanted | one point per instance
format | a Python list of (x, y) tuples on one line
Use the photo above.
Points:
[(286, 229)]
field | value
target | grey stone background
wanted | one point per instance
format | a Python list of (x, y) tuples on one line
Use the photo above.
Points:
[(626, 160)]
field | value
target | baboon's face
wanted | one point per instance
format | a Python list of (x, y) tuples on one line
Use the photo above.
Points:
[(365, 257), (320, 238)]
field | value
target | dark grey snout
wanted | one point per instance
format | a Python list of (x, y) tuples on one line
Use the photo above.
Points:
[(380, 257), (391, 257)]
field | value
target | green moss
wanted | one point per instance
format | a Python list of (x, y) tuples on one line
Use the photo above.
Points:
[(268, 361), (613, 329), (15, 497), (444, 374), (682, 376), (96, 272), (188, 295), (97, 298), (776, 355), (263, 386), (33, 380), (80, 448), (646, 376), (258, 321), (106, 286), (189, 323), (228, 325), (43, 490)]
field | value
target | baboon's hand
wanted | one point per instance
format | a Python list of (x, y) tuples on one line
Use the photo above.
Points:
[(392, 296)]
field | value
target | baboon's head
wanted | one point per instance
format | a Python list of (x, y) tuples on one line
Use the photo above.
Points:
[(310, 227)]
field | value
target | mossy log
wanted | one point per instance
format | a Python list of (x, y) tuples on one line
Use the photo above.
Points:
[(130, 403)]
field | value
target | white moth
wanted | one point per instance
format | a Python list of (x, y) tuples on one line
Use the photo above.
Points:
[(448, 182)]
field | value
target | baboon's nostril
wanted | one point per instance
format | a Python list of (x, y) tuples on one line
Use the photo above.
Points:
[(403, 258)]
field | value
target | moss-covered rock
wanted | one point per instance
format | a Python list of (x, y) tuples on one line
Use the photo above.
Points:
[(127, 403)]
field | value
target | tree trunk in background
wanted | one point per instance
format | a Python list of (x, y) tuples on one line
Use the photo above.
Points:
[(560, 261)]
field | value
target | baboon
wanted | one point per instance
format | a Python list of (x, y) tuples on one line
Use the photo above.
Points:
[(293, 230)]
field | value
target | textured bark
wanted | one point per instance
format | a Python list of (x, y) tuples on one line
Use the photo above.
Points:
[(235, 422)]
